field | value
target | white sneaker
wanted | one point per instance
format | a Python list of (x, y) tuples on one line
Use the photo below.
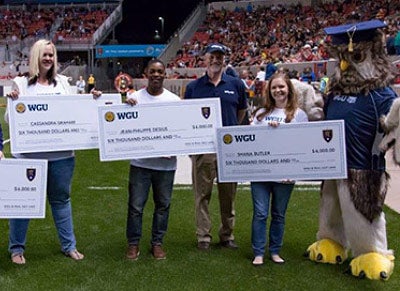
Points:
[(258, 261)]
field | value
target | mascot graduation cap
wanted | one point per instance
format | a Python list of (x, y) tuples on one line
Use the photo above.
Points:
[(351, 218)]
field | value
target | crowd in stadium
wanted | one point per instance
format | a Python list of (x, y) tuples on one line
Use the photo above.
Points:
[(64, 24), (18, 24), (74, 22), (254, 35), (80, 23), (283, 34)]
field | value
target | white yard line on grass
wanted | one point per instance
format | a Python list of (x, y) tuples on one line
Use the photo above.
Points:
[(305, 186), (104, 188)]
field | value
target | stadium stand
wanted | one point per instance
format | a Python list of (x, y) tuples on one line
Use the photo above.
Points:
[(76, 28), (288, 33)]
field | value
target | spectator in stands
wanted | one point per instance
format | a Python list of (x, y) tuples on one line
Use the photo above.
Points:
[(231, 91), (390, 48), (157, 173), (258, 92), (1, 143), (176, 75), (229, 69), (91, 83), (307, 75), (324, 84), (44, 80), (293, 74), (244, 75), (397, 42), (306, 54), (397, 75), (290, 28), (248, 83), (280, 107), (270, 69), (80, 85), (77, 60), (261, 73)]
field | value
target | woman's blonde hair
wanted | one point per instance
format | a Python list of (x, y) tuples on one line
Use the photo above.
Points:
[(36, 54)]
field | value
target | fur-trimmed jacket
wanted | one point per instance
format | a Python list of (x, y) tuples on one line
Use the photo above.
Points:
[(308, 100)]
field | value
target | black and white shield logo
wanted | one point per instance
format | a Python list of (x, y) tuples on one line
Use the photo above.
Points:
[(327, 134), (30, 174), (205, 111)]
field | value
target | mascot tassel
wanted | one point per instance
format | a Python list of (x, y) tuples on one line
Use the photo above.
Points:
[(351, 218)]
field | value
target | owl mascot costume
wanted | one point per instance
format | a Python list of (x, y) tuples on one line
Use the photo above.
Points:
[(351, 218)]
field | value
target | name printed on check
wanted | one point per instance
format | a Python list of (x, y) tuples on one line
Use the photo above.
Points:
[(55, 123), (158, 129), (264, 153)]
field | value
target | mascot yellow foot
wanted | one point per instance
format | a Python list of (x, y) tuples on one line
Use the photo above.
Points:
[(327, 251), (374, 266)]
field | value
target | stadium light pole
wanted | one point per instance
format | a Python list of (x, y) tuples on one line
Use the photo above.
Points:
[(157, 36), (162, 26)]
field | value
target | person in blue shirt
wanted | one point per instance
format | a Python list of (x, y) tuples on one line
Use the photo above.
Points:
[(232, 93), (397, 43), (270, 69), (307, 75), (1, 143)]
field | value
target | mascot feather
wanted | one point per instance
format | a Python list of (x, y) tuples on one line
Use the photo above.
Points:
[(351, 218)]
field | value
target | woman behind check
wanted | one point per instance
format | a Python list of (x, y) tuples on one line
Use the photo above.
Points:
[(280, 107), (44, 80)]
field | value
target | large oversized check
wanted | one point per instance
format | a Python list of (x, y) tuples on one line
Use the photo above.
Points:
[(23, 188), (55, 123), (298, 151), (158, 129)]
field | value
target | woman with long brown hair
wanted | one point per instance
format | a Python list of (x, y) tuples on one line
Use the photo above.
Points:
[(280, 107)]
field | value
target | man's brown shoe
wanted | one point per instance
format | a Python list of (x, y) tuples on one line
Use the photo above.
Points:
[(133, 252), (158, 252), (203, 245), (229, 244)]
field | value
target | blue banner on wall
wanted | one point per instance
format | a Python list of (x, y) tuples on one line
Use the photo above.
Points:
[(124, 51)]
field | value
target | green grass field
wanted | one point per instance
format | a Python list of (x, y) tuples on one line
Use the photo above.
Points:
[(99, 198)]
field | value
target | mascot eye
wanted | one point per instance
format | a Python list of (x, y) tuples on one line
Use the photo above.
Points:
[(358, 57)]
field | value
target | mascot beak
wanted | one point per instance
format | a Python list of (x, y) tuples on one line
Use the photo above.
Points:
[(343, 65)]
